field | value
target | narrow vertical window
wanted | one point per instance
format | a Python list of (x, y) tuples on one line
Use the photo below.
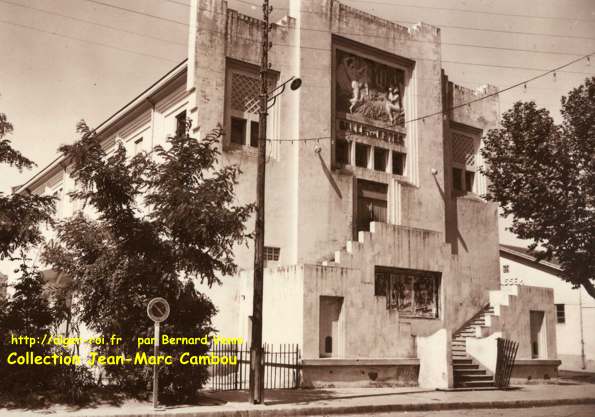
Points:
[(238, 130), (254, 130), (181, 123), (380, 159)]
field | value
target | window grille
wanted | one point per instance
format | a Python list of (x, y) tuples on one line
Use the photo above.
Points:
[(245, 93), (271, 254), (463, 150)]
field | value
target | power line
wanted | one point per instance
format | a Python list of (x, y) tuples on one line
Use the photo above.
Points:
[(177, 2), (465, 104), (87, 41), (468, 28), (385, 37), (437, 25), (165, 19), (475, 11), (92, 22)]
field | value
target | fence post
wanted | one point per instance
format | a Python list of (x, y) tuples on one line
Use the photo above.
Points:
[(297, 366)]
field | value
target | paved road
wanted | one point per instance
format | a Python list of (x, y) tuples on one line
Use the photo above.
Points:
[(560, 411)]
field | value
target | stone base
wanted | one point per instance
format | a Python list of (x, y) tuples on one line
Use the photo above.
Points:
[(333, 373), (534, 370)]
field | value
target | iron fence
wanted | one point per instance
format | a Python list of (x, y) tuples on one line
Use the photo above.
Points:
[(281, 367)]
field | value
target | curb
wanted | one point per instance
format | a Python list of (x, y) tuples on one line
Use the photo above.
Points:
[(365, 409)]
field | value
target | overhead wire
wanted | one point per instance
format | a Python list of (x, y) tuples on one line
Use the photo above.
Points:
[(105, 45), (91, 22), (458, 106), (473, 11), (134, 11), (344, 33)]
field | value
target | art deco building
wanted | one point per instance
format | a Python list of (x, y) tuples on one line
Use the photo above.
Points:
[(382, 256)]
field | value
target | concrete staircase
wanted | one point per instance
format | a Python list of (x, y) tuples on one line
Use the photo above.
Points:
[(468, 373)]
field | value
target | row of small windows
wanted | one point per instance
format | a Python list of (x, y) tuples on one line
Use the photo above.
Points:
[(369, 157)]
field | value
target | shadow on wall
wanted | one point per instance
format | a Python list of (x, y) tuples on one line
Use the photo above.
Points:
[(453, 235), (328, 174)]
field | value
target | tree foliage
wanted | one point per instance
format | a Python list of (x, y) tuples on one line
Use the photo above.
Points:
[(543, 175), (20, 214), (161, 221), (28, 312)]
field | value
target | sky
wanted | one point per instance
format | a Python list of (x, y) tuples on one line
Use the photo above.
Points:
[(66, 60)]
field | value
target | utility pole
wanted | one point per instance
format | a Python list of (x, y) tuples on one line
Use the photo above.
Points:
[(256, 352)]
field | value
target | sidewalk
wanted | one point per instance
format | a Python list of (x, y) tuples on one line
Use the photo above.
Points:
[(343, 401)]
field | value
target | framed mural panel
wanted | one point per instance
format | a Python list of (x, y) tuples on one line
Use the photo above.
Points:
[(413, 293), (369, 91)]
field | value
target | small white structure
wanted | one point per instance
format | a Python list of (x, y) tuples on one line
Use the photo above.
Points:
[(575, 309)]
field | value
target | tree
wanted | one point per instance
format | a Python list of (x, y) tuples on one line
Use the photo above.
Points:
[(20, 214), (543, 175), (162, 221)]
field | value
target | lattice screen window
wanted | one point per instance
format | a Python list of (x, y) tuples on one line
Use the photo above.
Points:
[(463, 150), (244, 93)]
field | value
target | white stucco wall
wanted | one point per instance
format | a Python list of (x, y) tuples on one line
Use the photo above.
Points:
[(576, 301)]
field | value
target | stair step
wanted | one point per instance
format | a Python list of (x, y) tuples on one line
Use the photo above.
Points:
[(469, 372), (474, 378), (475, 384), (465, 367), (462, 361)]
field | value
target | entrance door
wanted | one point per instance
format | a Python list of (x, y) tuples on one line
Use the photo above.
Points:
[(371, 204), (329, 326), (538, 339)]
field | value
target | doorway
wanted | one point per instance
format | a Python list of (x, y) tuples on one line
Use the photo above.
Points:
[(330, 325), (372, 198), (538, 334)]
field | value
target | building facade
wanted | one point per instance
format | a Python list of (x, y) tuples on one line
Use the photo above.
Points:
[(379, 247), (575, 309)]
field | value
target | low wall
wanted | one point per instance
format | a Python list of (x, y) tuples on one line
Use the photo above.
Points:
[(331, 373), (435, 369), (534, 370)]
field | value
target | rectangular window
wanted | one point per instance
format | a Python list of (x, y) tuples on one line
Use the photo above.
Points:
[(254, 127), (238, 130), (560, 313), (181, 123), (505, 269), (457, 179), (271, 253), (342, 152), (380, 159), (362, 154), (398, 163), (411, 292), (138, 146), (469, 178)]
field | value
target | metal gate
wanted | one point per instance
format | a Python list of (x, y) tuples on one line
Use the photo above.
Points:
[(505, 361), (281, 367)]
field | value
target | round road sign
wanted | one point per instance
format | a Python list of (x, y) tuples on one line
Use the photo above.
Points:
[(158, 309)]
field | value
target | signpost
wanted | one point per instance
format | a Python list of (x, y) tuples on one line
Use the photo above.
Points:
[(158, 311)]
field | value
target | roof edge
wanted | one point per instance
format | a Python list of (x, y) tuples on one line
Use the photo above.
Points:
[(115, 117)]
